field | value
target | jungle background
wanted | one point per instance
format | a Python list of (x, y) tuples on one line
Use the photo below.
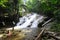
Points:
[(12, 10)]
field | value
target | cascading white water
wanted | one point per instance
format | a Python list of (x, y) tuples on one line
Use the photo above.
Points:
[(36, 22), (31, 20), (25, 21)]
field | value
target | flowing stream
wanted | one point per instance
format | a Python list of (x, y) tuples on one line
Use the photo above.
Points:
[(30, 20), (29, 25)]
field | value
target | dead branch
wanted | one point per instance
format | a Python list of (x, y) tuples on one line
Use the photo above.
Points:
[(47, 22), (52, 34), (40, 34)]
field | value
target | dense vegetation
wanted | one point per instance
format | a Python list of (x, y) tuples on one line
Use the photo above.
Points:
[(8, 11), (50, 8), (47, 7)]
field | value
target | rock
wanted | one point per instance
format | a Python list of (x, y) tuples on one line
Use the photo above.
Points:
[(1, 35)]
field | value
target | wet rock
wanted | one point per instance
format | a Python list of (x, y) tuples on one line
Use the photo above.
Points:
[(40, 24), (29, 26), (35, 36), (20, 30)]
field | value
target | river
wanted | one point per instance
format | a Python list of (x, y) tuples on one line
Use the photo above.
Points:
[(28, 25)]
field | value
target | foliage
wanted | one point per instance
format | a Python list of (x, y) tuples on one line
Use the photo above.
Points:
[(57, 15), (6, 5), (33, 5), (8, 12), (50, 8), (47, 7), (2, 3), (55, 27)]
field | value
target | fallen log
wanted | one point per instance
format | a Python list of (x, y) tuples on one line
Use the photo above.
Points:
[(52, 34), (47, 22), (40, 34)]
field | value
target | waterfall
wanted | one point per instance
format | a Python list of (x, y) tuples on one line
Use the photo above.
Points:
[(29, 21)]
